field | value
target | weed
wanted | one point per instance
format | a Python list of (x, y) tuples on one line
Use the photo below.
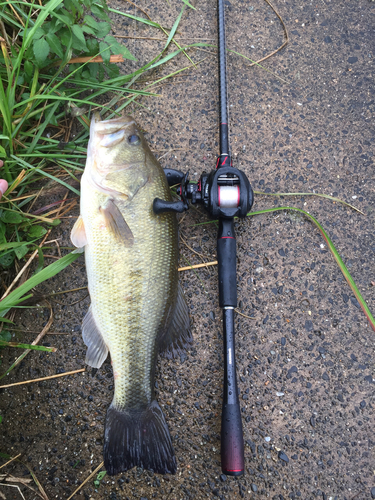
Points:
[(99, 478), (41, 93)]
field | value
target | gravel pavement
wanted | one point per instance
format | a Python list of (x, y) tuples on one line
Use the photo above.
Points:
[(303, 122)]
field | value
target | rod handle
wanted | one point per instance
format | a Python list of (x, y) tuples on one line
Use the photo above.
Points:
[(232, 446), (227, 263)]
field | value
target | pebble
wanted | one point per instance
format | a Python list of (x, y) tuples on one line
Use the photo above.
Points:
[(267, 438), (279, 394), (309, 325), (373, 492), (254, 487), (283, 457)]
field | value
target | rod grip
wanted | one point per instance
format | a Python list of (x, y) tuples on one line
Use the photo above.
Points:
[(226, 256), (232, 447)]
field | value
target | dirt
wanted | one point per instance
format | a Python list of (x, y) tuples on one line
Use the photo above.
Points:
[(303, 122)]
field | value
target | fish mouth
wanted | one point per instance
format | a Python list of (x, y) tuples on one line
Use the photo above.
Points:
[(107, 127), (107, 134), (110, 133)]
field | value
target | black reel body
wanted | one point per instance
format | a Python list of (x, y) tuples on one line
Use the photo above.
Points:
[(224, 192)]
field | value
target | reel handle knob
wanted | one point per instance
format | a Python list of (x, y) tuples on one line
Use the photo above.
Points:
[(160, 206)]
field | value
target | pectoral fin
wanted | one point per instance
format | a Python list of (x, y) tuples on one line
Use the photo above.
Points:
[(78, 234), (97, 350), (116, 223)]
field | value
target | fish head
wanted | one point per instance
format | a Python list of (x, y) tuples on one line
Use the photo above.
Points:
[(116, 156)]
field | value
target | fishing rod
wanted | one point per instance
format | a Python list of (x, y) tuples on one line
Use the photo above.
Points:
[(226, 193)]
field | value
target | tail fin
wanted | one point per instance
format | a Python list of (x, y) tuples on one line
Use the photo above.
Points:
[(138, 438)]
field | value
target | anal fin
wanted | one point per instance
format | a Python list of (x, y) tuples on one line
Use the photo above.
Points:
[(178, 337), (97, 351)]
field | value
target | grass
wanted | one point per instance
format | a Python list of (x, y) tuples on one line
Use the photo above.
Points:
[(326, 237), (38, 86), (334, 253), (28, 117)]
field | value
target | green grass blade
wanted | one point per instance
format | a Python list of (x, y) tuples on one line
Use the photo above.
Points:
[(5, 320), (174, 28), (260, 66), (175, 73), (331, 248), (189, 4), (46, 174), (139, 19), (172, 33), (15, 244), (335, 254), (321, 195), (6, 114), (32, 282), (59, 98), (3, 343), (43, 126)]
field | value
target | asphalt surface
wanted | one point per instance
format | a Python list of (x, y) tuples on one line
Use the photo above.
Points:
[(303, 122)]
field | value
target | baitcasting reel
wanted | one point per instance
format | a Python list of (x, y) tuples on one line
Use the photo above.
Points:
[(224, 192)]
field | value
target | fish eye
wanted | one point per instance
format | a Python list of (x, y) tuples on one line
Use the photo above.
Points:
[(134, 139)]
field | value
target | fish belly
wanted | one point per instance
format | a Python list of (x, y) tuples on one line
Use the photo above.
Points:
[(133, 291)]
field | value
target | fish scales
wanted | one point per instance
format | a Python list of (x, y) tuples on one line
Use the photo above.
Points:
[(131, 288), (137, 308)]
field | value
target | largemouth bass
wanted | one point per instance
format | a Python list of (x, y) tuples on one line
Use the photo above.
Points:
[(137, 307)]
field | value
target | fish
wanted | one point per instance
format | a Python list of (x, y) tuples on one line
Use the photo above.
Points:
[(138, 309)]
